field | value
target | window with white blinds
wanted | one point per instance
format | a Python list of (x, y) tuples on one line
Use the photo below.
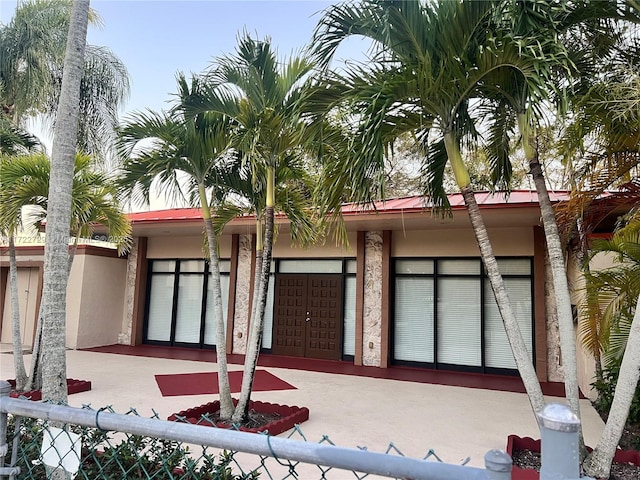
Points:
[(459, 327), (349, 333), (187, 298), (267, 333), (497, 350), (188, 314), (210, 319), (413, 339), (465, 310), (160, 308)]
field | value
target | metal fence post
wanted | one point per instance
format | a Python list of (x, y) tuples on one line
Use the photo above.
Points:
[(498, 464), (560, 447), (11, 472), (5, 390)]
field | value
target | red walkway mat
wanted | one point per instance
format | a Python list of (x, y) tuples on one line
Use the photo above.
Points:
[(174, 385)]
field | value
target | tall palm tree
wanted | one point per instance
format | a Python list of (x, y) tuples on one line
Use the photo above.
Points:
[(430, 64), (56, 255), (266, 100), (198, 147), (32, 49)]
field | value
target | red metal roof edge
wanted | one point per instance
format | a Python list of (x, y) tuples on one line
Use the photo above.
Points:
[(415, 204)]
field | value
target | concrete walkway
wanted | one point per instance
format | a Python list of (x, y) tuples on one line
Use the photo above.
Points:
[(455, 422)]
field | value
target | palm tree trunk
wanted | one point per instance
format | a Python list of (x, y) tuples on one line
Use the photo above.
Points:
[(560, 287), (34, 381), (226, 403), (16, 333), (56, 261), (598, 463), (257, 320), (558, 271), (518, 346)]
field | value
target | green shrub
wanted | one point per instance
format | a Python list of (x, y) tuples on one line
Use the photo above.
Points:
[(606, 389), (130, 457)]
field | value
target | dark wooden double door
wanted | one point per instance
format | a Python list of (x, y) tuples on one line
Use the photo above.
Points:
[(307, 316)]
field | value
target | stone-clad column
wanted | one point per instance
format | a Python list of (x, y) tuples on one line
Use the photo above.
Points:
[(124, 337), (243, 295), (372, 310)]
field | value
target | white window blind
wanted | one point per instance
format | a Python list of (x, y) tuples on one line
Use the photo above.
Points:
[(160, 307), (349, 336), (163, 266), (210, 320), (189, 308), (413, 335), (459, 340), (268, 316), (310, 266), (459, 267), (497, 350)]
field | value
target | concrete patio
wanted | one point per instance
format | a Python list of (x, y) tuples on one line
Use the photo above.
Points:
[(455, 422)]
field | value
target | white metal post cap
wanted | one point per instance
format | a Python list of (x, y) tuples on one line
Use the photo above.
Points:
[(559, 417)]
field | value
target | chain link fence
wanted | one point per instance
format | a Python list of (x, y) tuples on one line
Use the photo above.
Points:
[(101, 444), (42, 440)]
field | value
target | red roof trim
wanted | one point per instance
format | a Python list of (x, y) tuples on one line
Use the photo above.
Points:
[(417, 204)]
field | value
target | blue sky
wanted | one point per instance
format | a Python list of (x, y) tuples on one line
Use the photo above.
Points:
[(157, 38)]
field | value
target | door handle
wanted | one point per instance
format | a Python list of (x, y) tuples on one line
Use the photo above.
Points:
[(308, 318)]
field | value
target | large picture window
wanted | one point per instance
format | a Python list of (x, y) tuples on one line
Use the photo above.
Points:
[(445, 314), (180, 302)]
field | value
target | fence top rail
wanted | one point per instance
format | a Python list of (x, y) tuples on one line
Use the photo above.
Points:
[(265, 445)]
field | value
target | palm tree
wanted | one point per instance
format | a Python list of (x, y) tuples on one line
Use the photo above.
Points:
[(613, 291), (198, 147), (14, 140), (266, 100), (25, 182), (56, 255), (32, 49), (615, 294), (518, 103), (430, 64)]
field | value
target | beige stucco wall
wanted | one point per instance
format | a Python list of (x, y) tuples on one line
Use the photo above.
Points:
[(284, 248), (461, 242), (184, 247), (96, 301)]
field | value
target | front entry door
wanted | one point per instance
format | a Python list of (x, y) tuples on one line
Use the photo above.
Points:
[(308, 316)]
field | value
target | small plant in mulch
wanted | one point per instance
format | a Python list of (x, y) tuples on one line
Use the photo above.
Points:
[(532, 460), (253, 420)]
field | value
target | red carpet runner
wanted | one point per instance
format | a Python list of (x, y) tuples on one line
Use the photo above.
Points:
[(174, 385)]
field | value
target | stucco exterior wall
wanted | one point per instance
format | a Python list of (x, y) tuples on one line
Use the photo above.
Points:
[(184, 247), (284, 248), (372, 308), (98, 305), (74, 299), (460, 243), (243, 290)]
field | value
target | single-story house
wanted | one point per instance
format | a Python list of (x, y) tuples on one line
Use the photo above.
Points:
[(408, 289)]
